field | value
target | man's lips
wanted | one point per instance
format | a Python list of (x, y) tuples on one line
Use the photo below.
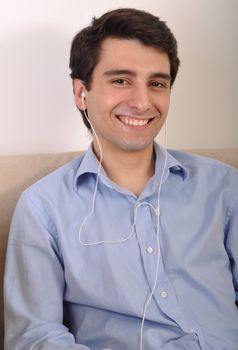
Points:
[(127, 120)]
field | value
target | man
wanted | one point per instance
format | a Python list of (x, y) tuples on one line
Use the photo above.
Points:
[(135, 246)]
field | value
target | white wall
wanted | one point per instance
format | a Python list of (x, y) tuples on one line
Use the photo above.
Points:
[(37, 112)]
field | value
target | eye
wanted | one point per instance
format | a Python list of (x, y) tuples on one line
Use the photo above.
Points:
[(120, 81), (159, 84)]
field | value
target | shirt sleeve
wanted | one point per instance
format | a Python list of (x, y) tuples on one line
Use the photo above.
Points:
[(34, 284), (232, 238)]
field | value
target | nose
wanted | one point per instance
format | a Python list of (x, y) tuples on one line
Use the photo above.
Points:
[(139, 99)]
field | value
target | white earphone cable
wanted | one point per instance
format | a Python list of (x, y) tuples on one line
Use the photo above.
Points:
[(128, 236), (158, 256)]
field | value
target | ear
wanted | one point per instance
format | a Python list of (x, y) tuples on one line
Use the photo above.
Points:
[(79, 88)]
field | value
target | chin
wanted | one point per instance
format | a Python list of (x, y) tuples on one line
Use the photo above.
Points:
[(135, 146)]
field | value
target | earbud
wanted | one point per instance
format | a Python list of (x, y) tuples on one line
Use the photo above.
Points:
[(83, 98)]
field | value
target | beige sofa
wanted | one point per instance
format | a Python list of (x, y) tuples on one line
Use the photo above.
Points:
[(18, 172)]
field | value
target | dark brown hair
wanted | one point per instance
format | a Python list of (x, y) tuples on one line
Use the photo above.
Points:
[(124, 23)]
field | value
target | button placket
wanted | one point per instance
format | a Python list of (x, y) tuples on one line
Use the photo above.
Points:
[(146, 235)]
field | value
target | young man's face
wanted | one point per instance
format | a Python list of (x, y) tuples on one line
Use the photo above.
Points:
[(129, 96)]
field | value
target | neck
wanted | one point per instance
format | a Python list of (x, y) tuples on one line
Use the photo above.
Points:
[(130, 170)]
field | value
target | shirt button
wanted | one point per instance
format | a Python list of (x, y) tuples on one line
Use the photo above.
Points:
[(138, 204), (164, 295), (149, 250)]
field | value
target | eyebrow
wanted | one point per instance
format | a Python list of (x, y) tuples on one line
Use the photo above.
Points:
[(113, 72)]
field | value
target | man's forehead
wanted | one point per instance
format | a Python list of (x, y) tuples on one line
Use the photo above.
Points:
[(111, 43), (126, 54)]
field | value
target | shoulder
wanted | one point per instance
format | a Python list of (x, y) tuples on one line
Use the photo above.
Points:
[(209, 170), (197, 161), (55, 184)]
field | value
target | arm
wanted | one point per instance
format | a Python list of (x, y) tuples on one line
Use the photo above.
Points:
[(232, 241), (34, 284)]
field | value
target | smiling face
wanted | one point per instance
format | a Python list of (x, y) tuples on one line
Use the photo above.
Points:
[(129, 96)]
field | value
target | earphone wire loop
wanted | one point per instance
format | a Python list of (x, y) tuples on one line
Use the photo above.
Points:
[(126, 238)]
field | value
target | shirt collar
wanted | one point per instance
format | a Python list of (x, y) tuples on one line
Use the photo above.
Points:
[(90, 164), (173, 165), (164, 166)]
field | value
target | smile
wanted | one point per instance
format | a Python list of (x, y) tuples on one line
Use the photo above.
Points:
[(133, 121)]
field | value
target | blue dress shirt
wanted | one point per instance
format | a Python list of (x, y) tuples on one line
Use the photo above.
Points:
[(101, 289)]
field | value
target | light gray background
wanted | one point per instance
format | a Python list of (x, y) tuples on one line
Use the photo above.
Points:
[(37, 111)]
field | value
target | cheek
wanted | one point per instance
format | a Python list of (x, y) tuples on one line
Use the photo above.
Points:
[(100, 101), (99, 112), (161, 104), (165, 103)]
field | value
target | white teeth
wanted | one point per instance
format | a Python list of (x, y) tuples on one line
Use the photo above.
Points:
[(134, 122)]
